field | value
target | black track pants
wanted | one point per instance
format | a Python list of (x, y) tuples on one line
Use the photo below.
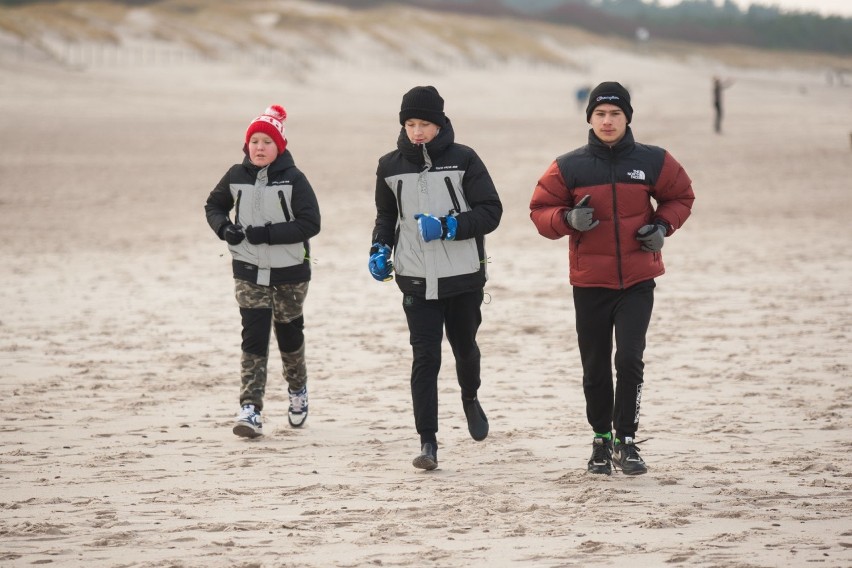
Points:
[(426, 322), (599, 312)]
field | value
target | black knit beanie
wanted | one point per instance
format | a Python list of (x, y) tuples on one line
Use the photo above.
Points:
[(424, 103), (610, 92)]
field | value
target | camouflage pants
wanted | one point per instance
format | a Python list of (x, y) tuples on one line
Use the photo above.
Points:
[(263, 308)]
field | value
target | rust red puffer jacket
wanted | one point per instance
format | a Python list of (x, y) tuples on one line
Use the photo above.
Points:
[(622, 181)]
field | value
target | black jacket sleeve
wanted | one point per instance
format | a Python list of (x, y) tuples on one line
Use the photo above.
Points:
[(387, 212), (485, 206), (306, 213), (219, 204)]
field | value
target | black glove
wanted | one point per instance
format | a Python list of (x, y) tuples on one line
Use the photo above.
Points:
[(652, 237), (258, 235), (233, 234), (580, 217)]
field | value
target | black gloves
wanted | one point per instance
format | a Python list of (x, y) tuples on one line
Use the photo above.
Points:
[(258, 235), (652, 237), (580, 217), (234, 234), (231, 233)]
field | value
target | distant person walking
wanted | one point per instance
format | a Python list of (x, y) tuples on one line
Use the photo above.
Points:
[(581, 95), (718, 87), (618, 201)]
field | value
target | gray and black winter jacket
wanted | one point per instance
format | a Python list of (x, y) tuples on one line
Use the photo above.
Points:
[(277, 195), (439, 178)]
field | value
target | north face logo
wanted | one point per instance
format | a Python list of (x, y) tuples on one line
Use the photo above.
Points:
[(636, 174)]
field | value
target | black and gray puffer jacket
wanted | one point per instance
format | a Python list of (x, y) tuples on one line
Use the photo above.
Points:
[(439, 178), (277, 195)]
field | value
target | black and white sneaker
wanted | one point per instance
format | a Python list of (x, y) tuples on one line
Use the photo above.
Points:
[(428, 458), (626, 457), (601, 460), (298, 411), (248, 423)]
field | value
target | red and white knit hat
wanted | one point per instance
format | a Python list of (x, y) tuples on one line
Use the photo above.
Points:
[(271, 123)]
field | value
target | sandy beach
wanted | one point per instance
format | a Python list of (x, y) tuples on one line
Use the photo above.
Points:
[(119, 332)]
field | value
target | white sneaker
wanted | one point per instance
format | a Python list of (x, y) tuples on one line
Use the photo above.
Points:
[(298, 411), (248, 423)]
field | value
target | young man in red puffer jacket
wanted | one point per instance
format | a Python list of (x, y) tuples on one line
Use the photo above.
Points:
[(618, 201)]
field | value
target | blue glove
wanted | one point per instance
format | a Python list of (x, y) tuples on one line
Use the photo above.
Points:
[(381, 265), (429, 226), (432, 228), (451, 224)]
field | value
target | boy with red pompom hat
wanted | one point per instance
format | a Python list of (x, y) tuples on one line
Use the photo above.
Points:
[(275, 215)]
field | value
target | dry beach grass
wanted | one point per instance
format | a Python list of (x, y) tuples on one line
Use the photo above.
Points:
[(119, 333)]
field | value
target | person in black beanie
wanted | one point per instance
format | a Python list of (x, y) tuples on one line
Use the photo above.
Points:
[(424, 103), (435, 202), (611, 93), (618, 201)]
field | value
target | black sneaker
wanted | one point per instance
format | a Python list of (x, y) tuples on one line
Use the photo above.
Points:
[(428, 458), (626, 457), (477, 422), (601, 460)]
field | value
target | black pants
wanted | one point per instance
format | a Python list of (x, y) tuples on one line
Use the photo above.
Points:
[(599, 311), (717, 123), (426, 322)]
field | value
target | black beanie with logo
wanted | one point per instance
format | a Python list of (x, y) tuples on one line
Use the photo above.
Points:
[(610, 92), (424, 103)]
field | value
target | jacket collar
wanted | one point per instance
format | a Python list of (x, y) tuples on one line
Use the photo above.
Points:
[(602, 150), (414, 152), (281, 163)]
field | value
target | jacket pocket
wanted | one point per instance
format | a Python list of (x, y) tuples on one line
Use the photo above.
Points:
[(575, 246), (399, 198), (456, 206), (237, 207), (284, 205)]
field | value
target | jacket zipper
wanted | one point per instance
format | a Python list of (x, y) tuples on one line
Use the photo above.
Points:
[(283, 205), (237, 208), (615, 224), (456, 207), (399, 198)]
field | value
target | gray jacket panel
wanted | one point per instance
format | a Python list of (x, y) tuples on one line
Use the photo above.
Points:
[(430, 192), (257, 205)]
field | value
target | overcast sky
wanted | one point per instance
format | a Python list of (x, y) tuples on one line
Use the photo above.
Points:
[(823, 7)]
